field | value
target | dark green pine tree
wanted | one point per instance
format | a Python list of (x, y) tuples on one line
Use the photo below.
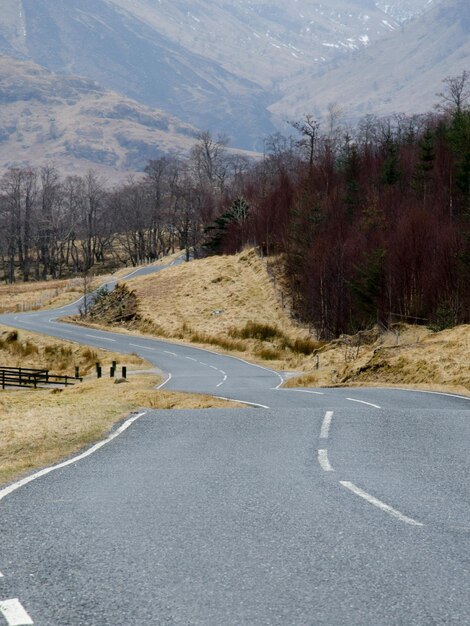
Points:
[(391, 170), (425, 165)]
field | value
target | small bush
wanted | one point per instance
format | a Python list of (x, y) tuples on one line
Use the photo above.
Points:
[(268, 354), (12, 336), (304, 346), (255, 330)]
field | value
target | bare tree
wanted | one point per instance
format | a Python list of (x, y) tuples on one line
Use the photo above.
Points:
[(309, 130), (456, 93)]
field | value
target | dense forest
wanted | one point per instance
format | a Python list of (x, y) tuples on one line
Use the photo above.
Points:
[(372, 223)]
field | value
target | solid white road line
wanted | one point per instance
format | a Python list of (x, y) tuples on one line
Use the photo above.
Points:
[(14, 613), (379, 504), (163, 384), (376, 406), (315, 393), (324, 462), (261, 406), (436, 393), (325, 427), (101, 338), (24, 481)]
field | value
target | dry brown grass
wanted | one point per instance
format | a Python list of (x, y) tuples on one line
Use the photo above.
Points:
[(225, 302), (47, 294), (40, 427), (410, 356), (26, 349)]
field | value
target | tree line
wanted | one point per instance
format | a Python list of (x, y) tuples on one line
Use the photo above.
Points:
[(372, 223), (52, 226)]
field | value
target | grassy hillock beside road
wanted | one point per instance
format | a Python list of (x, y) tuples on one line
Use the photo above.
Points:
[(231, 304)]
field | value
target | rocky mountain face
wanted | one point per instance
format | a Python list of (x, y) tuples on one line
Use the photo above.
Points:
[(76, 124), (239, 67)]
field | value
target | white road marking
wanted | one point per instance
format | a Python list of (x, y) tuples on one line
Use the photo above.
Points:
[(316, 393), (190, 358), (168, 352), (24, 481), (325, 427), (214, 368), (379, 504), (261, 406), (436, 393), (14, 613), (376, 406), (166, 381), (1, 575), (205, 364), (324, 462), (101, 338), (225, 378), (135, 345)]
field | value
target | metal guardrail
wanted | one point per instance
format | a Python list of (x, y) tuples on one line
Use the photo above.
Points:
[(33, 378)]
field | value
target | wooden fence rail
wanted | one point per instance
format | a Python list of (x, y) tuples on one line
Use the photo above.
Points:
[(28, 377)]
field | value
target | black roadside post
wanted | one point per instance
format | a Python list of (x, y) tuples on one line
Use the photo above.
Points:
[(98, 370), (77, 372), (124, 371)]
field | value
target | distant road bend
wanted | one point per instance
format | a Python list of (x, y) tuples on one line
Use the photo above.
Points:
[(312, 506)]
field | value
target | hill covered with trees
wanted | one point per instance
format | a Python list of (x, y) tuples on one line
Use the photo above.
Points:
[(371, 224)]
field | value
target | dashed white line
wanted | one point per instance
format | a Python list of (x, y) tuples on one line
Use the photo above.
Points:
[(1, 575), (325, 427), (376, 406), (101, 338), (168, 352), (14, 613), (135, 345), (225, 378), (190, 358), (379, 504), (324, 461), (214, 368)]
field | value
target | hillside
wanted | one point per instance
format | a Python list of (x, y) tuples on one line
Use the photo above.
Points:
[(232, 303), (402, 73), (216, 65), (75, 123)]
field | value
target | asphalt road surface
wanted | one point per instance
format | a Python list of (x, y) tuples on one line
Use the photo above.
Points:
[(321, 506)]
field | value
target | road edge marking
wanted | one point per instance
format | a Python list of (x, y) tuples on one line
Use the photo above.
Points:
[(379, 504), (52, 468), (376, 406), (255, 404)]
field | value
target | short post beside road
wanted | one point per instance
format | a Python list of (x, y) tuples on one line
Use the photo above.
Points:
[(124, 371), (98, 370)]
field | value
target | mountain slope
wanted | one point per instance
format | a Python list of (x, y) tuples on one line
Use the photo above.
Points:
[(400, 74), (217, 64), (77, 124)]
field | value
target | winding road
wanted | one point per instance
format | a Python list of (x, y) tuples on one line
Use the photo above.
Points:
[(318, 506)]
